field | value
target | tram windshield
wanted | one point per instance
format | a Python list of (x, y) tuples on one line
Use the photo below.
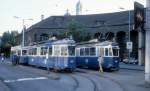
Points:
[(24, 52), (44, 50), (71, 50), (115, 52)]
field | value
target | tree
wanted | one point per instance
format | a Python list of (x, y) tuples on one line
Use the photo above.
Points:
[(7, 41), (78, 32)]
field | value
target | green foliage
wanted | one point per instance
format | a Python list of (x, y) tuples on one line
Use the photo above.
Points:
[(78, 32), (7, 40)]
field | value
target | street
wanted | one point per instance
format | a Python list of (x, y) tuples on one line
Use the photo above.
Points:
[(28, 78)]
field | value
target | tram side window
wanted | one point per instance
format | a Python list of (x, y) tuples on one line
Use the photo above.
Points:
[(92, 51), (71, 50), (34, 51), (56, 50), (110, 51), (115, 52), (43, 50), (30, 52), (77, 52), (82, 52), (87, 51), (50, 51), (24, 52), (106, 51), (63, 50)]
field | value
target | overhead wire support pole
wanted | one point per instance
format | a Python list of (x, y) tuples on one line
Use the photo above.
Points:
[(129, 28), (23, 30), (129, 32), (147, 43)]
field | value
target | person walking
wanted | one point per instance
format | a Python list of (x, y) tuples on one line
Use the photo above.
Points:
[(100, 60), (2, 57)]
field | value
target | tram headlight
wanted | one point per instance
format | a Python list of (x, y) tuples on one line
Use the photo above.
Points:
[(116, 61), (71, 61), (32, 59), (109, 65)]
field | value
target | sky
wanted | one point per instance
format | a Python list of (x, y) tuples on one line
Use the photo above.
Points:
[(27, 9)]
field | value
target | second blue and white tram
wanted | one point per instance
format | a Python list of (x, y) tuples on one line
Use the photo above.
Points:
[(88, 53)]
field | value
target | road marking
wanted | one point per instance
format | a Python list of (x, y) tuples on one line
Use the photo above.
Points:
[(25, 79)]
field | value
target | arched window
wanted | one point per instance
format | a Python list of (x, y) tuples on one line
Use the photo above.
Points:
[(35, 37), (44, 36)]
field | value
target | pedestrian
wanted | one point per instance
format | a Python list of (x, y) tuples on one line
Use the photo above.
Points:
[(46, 62), (100, 60), (2, 57)]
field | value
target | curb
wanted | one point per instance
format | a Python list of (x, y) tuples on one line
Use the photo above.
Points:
[(131, 69)]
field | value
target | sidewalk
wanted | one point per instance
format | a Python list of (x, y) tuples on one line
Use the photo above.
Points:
[(131, 67)]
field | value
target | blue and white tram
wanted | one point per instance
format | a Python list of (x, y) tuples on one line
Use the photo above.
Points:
[(64, 54), (58, 54), (87, 55)]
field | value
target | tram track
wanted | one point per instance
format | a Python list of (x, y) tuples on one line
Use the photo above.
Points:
[(77, 76), (77, 82), (102, 76), (92, 81)]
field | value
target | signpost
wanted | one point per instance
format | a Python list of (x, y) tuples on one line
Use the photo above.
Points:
[(129, 45)]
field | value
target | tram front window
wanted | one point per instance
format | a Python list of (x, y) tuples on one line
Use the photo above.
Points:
[(71, 50), (115, 52), (24, 52), (43, 50), (110, 52), (63, 50)]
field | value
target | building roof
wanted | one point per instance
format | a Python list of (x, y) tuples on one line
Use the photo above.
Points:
[(93, 20)]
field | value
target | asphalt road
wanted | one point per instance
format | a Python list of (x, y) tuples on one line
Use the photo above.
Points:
[(27, 78)]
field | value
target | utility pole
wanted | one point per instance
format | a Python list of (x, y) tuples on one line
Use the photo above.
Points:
[(129, 29), (147, 43), (24, 27)]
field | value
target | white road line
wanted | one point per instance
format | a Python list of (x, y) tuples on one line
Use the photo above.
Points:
[(25, 79)]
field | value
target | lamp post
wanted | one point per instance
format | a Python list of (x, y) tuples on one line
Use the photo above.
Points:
[(23, 20), (147, 43), (129, 27)]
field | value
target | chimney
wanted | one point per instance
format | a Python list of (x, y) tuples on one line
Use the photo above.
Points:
[(42, 17)]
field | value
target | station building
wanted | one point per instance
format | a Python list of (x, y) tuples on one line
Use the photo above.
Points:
[(110, 26)]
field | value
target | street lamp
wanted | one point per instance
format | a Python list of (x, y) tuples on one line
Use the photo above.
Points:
[(128, 27), (23, 20)]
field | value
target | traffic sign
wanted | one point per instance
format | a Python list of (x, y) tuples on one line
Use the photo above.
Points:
[(129, 45)]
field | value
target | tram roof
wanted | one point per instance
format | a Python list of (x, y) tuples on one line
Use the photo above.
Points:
[(97, 43), (106, 43), (64, 41)]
